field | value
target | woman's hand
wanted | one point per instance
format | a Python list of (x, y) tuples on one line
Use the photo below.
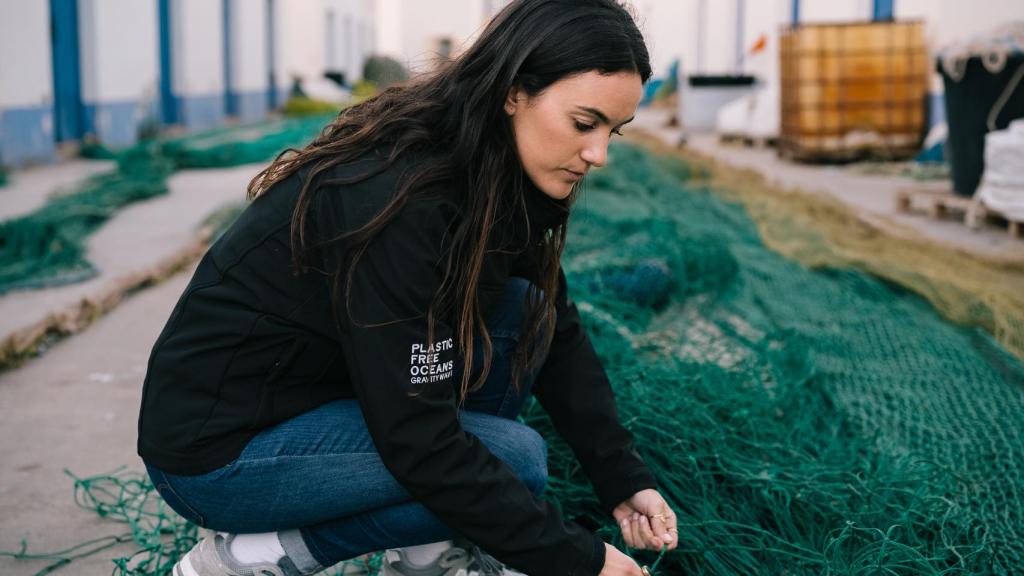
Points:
[(647, 522), (618, 564)]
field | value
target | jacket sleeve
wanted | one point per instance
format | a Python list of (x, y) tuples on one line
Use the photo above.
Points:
[(406, 389), (573, 388)]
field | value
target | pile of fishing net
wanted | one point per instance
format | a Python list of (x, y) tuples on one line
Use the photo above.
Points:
[(799, 421), (48, 246)]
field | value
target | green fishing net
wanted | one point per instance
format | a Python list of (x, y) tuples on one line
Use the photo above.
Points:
[(799, 421), (48, 246)]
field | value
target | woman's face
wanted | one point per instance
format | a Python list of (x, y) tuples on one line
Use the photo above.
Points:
[(564, 131)]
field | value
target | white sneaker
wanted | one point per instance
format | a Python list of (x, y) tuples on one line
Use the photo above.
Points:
[(468, 560), (210, 557)]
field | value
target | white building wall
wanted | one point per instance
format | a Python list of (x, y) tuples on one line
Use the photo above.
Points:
[(951, 20), (301, 41), (720, 39), (764, 19), (389, 28), (668, 31), (353, 23), (119, 64), (409, 30), (26, 77), (26, 83), (197, 62), (198, 48), (826, 11), (248, 45), (119, 42), (703, 33)]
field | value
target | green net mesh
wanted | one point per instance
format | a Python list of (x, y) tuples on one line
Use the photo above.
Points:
[(799, 421), (47, 247)]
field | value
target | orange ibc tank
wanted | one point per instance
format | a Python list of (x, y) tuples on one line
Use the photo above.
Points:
[(853, 90)]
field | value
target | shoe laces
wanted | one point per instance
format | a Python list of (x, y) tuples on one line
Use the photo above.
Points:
[(470, 561)]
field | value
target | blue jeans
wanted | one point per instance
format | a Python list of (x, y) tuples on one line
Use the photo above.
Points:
[(321, 474)]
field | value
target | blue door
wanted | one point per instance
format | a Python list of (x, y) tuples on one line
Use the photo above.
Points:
[(67, 87), (168, 103)]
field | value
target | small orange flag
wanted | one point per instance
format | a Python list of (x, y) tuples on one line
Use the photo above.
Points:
[(760, 45)]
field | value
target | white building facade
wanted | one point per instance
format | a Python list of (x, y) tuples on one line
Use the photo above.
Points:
[(115, 69), (716, 37)]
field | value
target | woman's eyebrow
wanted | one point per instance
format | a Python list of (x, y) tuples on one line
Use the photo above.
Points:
[(600, 115)]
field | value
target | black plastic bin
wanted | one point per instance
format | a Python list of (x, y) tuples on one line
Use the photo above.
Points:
[(968, 104)]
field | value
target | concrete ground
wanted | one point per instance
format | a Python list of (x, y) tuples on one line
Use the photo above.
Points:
[(74, 408), (873, 197), (135, 238)]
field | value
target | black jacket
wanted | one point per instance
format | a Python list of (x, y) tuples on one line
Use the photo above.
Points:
[(250, 344)]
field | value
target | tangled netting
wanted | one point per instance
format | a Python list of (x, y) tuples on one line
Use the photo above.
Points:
[(799, 421), (965, 287), (48, 246)]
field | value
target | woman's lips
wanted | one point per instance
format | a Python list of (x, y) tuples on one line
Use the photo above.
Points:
[(574, 175)]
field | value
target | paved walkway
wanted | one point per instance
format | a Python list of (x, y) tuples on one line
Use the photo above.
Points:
[(135, 239), (76, 408)]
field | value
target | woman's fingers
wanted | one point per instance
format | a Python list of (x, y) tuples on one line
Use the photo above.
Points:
[(650, 532), (660, 528), (671, 529), (634, 523), (647, 535), (627, 531)]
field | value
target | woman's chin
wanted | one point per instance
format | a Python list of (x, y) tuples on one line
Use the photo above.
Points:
[(557, 189)]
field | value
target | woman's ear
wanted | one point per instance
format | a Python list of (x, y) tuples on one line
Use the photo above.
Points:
[(512, 100)]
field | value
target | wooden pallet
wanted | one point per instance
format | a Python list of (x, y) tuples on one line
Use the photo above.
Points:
[(747, 140), (937, 200)]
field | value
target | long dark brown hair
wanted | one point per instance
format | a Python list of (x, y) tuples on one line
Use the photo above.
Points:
[(455, 118)]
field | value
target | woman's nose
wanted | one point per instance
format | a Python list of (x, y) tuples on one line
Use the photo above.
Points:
[(596, 155)]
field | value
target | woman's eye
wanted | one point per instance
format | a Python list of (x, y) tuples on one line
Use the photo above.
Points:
[(583, 127)]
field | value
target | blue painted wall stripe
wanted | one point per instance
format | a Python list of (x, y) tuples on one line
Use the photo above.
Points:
[(251, 105), (168, 103), (796, 12), (230, 102), (67, 86), (202, 112), (883, 10), (26, 135)]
